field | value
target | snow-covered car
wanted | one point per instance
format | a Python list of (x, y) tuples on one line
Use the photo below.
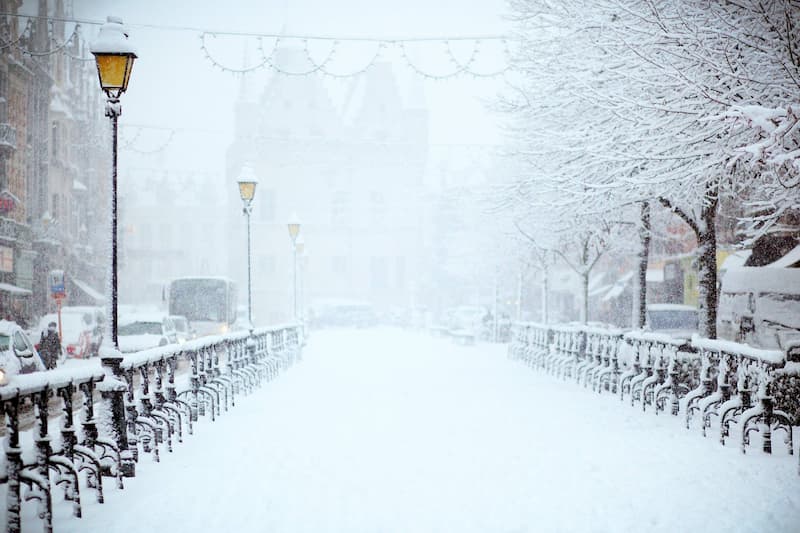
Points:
[(17, 353), (760, 306), (183, 330), (81, 333), (241, 323), (344, 313), (676, 320), (142, 331), (472, 319)]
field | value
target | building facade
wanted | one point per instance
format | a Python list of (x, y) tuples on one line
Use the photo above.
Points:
[(53, 162), (350, 170)]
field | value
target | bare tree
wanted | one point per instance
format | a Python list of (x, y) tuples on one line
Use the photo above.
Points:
[(641, 101)]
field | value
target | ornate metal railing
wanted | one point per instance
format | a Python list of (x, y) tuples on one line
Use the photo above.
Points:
[(721, 384), (136, 404)]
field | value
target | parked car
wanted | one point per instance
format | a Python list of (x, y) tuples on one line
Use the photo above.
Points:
[(344, 313), (142, 331), (675, 320), (242, 323), (470, 318), (183, 330), (17, 353), (760, 306)]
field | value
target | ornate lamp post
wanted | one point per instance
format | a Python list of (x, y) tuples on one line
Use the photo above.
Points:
[(114, 55), (294, 231), (247, 190), (299, 249)]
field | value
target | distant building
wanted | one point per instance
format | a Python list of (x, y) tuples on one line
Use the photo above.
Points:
[(54, 158), (353, 173), (170, 226)]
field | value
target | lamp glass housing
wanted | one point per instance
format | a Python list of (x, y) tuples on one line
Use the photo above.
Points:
[(294, 229), (247, 190), (114, 71)]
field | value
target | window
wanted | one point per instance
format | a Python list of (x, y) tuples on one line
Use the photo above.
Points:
[(6, 259), (54, 143), (265, 205), (378, 273), (54, 207), (340, 208), (339, 265), (377, 208), (671, 271), (19, 343), (400, 272)]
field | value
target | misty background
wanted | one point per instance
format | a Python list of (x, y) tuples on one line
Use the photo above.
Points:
[(380, 167)]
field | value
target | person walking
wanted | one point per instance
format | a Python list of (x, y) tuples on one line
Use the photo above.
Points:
[(50, 346)]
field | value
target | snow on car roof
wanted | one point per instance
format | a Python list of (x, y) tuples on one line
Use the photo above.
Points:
[(334, 302), (195, 278), (141, 317), (670, 307), (80, 309), (762, 280), (8, 327)]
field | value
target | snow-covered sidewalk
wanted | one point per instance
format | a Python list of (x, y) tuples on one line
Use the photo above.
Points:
[(386, 431)]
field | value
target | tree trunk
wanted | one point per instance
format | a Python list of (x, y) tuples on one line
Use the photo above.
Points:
[(707, 269), (520, 282), (705, 229), (640, 287), (585, 289), (545, 280)]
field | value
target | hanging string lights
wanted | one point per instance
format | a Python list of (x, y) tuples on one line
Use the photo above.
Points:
[(379, 48)]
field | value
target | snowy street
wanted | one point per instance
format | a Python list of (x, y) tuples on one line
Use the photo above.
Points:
[(388, 431)]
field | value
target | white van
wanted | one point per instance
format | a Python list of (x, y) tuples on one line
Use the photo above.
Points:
[(760, 306)]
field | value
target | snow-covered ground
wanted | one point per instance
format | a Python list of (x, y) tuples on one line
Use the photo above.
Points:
[(386, 431)]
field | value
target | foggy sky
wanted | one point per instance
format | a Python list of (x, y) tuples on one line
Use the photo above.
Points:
[(174, 86)]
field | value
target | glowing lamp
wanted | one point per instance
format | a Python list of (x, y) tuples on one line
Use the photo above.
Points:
[(114, 55)]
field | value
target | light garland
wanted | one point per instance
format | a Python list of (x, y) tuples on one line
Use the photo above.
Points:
[(22, 35), (67, 53), (379, 48), (216, 64), (323, 67), (129, 144), (53, 50)]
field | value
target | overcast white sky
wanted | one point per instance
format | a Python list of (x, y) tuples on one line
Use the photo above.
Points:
[(174, 86)]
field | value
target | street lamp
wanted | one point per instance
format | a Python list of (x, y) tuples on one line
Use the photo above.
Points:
[(299, 249), (114, 55), (294, 231), (247, 190)]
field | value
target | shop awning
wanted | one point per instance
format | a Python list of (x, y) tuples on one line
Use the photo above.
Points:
[(87, 289), (13, 289)]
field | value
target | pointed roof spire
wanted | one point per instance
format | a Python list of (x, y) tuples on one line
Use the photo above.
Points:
[(246, 90)]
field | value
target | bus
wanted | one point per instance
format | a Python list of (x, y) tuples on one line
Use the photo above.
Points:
[(209, 303)]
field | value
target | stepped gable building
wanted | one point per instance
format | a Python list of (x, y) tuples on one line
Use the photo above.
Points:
[(351, 170)]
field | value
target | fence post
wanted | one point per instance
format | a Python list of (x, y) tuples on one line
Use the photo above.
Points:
[(13, 466), (113, 389)]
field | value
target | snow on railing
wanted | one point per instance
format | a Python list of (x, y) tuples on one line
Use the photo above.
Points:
[(722, 383), (146, 400)]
